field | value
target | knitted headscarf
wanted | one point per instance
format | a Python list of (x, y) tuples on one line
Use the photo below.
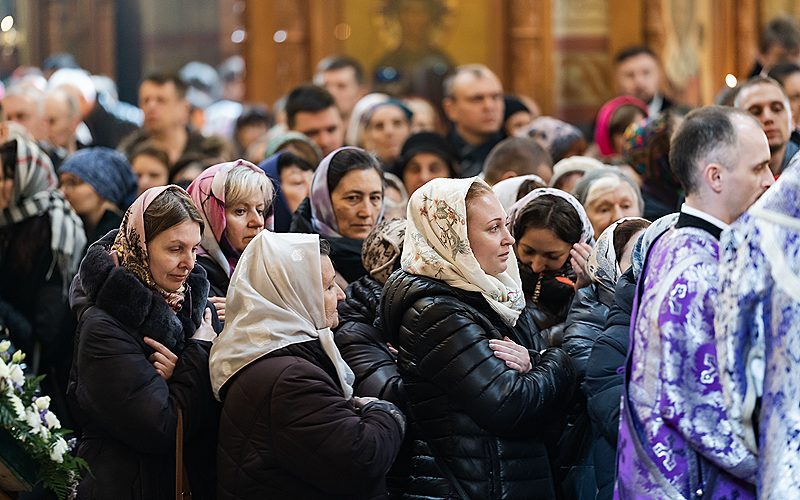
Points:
[(107, 171), (34, 194)]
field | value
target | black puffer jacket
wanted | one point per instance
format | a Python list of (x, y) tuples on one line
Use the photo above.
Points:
[(585, 322), (603, 383), (479, 417), (363, 345), (127, 411), (288, 432)]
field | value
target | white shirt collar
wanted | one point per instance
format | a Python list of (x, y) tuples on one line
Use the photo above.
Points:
[(702, 215), (654, 107)]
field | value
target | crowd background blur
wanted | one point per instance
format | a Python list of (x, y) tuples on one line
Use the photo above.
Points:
[(338, 118)]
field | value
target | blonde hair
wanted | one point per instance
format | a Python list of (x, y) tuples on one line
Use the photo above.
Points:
[(243, 182)]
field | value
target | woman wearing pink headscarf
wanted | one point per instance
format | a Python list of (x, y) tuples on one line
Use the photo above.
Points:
[(235, 201), (612, 120)]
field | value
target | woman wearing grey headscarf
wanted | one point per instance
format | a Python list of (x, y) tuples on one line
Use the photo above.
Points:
[(603, 380)]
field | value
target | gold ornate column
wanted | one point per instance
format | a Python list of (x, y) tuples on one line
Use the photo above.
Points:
[(284, 42), (529, 69)]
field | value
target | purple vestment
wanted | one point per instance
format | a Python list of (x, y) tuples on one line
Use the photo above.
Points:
[(675, 439)]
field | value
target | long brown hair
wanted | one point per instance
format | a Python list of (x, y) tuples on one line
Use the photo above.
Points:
[(169, 209)]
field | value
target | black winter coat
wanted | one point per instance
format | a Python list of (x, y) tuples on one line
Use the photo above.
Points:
[(585, 322), (218, 279), (603, 383), (476, 415), (34, 307), (345, 252), (288, 432), (128, 412), (362, 344)]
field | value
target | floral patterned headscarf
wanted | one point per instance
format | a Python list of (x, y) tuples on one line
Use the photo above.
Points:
[(131, 247), (382, 248), (436, 245)]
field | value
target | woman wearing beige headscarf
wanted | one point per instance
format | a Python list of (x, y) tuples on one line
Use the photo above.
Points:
[(477, 389), (290, 427)]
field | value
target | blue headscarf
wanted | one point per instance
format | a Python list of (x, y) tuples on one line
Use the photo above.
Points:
[(107, 171)]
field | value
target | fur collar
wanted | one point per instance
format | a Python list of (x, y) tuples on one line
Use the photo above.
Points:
[(141, 310)]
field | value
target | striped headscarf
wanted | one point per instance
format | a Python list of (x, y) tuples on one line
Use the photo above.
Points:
[(35, 193)]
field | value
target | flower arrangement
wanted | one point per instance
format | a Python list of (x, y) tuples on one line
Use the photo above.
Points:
[(25, 415)]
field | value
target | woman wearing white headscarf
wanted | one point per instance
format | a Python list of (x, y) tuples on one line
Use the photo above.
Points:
[(477, 389), (290, 427), (510, 190), (553, 240)]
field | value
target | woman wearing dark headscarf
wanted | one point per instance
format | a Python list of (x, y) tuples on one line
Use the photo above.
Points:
[(141, 354), (424, 156), (345, 203), (41, 244), (100, 185), (291, 176), (290, 427), (517, 117), (604, 377), (480, 392), (234, 199), (585, 322)]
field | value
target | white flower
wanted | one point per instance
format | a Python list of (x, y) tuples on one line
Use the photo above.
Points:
[(58, 450), (42, 402), (5, 345), (19, 408), (4, 371), (18, 357), (33, 419), (51, 420), (16, 375), (44, 433)]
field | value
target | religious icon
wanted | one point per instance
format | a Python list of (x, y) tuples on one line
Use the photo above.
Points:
[(416, 65)]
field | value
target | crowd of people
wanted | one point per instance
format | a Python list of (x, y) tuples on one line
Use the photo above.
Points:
[(363, 295)]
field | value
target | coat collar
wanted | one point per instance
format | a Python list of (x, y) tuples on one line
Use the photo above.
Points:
[(143, 311)]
